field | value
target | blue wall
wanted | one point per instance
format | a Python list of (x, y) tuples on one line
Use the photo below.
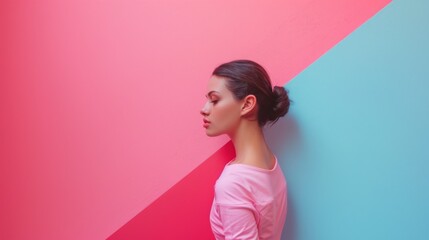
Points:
[(355, 146)]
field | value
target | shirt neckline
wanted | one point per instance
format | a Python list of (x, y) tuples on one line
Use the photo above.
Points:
[(254, 167)]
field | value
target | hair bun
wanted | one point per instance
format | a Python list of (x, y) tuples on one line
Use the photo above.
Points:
[(281, 103)]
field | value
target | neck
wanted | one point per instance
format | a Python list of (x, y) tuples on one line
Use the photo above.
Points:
[(250, 145)]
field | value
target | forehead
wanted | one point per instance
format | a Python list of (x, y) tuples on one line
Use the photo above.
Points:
[(217, 84)]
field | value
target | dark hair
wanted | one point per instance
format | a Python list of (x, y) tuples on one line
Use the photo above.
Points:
[(247, 77)]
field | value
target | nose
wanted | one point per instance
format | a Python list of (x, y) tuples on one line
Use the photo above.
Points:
[(205, 110)]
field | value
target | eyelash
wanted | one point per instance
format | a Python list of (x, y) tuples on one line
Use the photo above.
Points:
[(214, 101)]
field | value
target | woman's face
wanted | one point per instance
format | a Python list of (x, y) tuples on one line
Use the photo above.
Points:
[(221, 111)]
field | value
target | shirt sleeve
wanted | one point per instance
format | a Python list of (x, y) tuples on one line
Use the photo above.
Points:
[(236, 209), (238, 222)]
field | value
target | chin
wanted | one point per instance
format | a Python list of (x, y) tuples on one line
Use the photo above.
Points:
[(212, 133)]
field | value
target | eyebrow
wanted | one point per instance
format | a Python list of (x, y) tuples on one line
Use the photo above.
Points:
[(210, 93)]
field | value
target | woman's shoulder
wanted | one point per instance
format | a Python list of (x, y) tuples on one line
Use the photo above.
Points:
[(231, 178), (232, 186)]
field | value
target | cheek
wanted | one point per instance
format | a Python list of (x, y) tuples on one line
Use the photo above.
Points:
[(227, 115)]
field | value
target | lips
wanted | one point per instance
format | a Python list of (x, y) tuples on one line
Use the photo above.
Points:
[(206, 123)]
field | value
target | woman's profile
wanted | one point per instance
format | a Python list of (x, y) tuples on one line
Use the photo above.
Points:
[(250, 199)]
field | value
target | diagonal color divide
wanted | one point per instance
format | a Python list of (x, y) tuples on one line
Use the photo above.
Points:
[(182, 211)]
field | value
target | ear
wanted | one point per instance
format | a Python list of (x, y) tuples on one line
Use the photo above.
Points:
[(249, 105)]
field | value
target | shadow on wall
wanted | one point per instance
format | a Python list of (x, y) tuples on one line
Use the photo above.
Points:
[(285, 141)]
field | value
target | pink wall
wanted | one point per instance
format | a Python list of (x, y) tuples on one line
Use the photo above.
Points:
[(99, 100)]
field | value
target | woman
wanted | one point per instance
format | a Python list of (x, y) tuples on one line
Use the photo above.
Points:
[(250, 195)]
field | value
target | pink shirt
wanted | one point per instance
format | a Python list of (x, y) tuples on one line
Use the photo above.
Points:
[(249, 203)]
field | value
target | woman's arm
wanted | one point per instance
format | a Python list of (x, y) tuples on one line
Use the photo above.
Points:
[(238, 222)]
